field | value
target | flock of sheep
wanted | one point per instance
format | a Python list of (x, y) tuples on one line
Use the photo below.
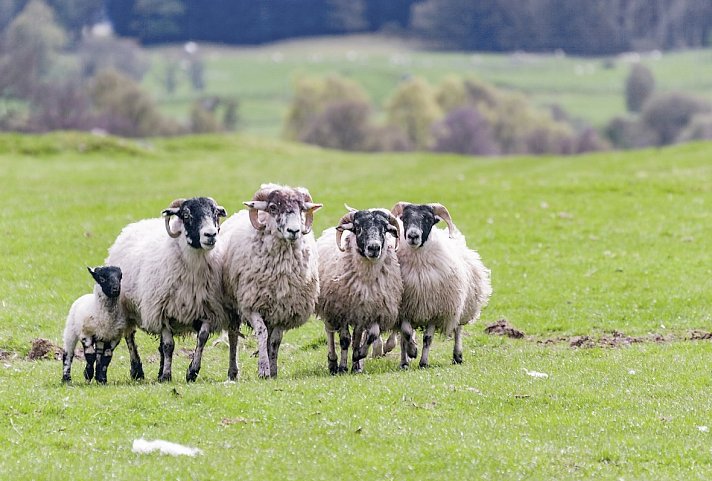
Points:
[(263, 267)]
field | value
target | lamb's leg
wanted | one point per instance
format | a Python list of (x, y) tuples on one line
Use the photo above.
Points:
[(194, 368), (233, 337), (106, 353), (275, 339), (260, 330), (356, 365), (90, 356), (457, 350), (136, 367), (67, 357), (409, 349), (344, 343), (331, 354), (427, 340), (167, 345), (371, 334)]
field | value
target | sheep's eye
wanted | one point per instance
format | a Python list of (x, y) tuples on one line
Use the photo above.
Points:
[(272, 209), (186, 215)]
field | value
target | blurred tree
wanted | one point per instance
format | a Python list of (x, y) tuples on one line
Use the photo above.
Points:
[(342, 125), (639, 86), (668, 114), (311, 98), (413, 107), (102, 53), (158, 21), (29, 45), (346, 15), (74, 15), (465, 131)]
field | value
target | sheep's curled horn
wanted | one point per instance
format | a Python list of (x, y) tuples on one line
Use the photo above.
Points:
[(438, 209), (167, 214), (347, 223)]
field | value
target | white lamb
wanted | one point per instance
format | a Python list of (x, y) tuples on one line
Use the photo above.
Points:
[(172, 280), (445, 284), (270, 272), (361, 284), (99, 321)]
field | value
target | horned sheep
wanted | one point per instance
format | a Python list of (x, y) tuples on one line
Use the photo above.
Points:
[(99, 321), (270, 273), (172, 280), (445, 284), (361, 284)]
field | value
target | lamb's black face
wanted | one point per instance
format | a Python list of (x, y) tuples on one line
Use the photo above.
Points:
[(109, 278), (418, 221), (370, 228), (199, 217)]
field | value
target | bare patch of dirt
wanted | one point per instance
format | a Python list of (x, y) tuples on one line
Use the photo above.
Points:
[(44, 349), (609, 340), (699, 335), (7, 355), (504, 328), (185, 352)]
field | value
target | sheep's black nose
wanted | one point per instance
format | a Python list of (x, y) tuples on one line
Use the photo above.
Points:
[(373, 250), (293, 232), (210, 235), (413, 235)]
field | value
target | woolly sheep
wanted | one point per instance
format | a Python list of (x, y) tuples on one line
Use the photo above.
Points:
[(270, 272), (172, 280), (361, 284), (98, 320), (445, 284)]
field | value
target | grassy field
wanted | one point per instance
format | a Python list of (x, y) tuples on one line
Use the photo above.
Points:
[(577, 246), (262, 77)]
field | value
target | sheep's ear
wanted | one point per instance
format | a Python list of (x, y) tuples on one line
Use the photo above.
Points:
[(438, 219), (91, 271), (170, 211), (221, 211)]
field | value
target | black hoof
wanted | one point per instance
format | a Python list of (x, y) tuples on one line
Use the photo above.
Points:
[(136, 371), (88, 373), (423, 365), (457, 359), (333, 367), (191, 376), (164, 378), (232, 374), (405, 366), (101, 380), (343, 370), (66, 378), (356, 370)]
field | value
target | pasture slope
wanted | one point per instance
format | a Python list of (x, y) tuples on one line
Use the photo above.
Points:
[(577, 246)]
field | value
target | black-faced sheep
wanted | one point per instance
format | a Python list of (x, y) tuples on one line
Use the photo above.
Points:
[(361, 284), (270, 272), (445, 284), (172, 279), (99, 321)]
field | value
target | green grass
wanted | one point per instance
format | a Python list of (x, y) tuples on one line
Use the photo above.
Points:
[(578, 245), (262, 77)]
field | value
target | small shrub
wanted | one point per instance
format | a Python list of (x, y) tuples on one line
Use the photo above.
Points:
[(668, 114), (414, 108), (628, 133), (699, 128), (639, 86), (387, 138), (61, 107), (102, 53), (343, 125), (589, 140), (465, 131)]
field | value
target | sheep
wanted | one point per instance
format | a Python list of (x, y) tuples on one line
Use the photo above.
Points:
[(270, 274), (445, 284), (99, 321), (361, 284), (172, 280)]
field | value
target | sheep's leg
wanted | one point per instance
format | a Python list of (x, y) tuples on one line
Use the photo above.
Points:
[(371, 334), (409, 350), (275, 339), (233, 337), (457, 350), (390, 343), (136, 367), (378, 348), (67, 358), (90, 356), (258, 326), (427, 340), (331, 354), (356, 364), (194, 368), (105, 352), (167, 346), (344, 343)]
